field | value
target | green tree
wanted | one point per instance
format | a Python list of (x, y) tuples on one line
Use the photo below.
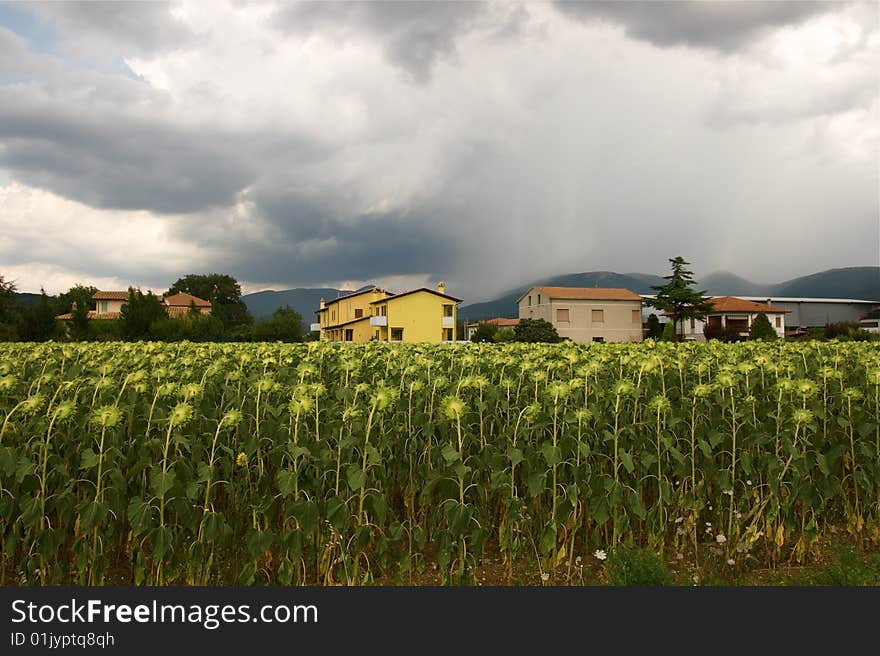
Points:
[(195, 327), (138, 314), (668, 333), (284, 326), (762, 328), (535, 330), (37, 323), (655, 330), (504, 335), (485, 332), (222, 290), (677, 298), (78, 301), (7, 300)]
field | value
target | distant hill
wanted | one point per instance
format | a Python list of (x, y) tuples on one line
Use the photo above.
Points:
[(505, 305), (723, 283), (26, 299), (851, 282), (304, 300)]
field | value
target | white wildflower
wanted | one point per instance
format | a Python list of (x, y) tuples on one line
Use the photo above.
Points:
[(720, 539), (600, 554)]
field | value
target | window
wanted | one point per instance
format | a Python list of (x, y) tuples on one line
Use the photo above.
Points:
[(598, 339), (397, 334), (779, 322), (103, 307), (598, 316), (447, 334), (349, 335), (383, 311), (562, 314), (539, 299), (377, 337), (693, 323), (637, 316), (447, 310), (358, 313), (530, 300)]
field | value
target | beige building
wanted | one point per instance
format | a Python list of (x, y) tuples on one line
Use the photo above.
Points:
[(108, 305), (499, 322), (586, 314)]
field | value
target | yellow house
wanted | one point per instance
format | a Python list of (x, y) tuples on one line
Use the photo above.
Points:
[(419, 315), (347, 318)]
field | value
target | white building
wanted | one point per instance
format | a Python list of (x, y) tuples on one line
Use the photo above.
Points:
[(730, 313)]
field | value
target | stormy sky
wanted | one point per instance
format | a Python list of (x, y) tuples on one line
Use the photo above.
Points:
[(334, 144)]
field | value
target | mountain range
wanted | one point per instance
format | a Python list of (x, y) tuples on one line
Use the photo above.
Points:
[(851, 282)]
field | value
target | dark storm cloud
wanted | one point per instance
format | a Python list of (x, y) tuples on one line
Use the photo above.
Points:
[(102, 155), (141, 28), (414, 35), (295, 236), (721, 25), (113, 161)]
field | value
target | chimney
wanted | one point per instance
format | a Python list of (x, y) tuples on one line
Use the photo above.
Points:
[(441, 287), (321, 306), (768, 302)]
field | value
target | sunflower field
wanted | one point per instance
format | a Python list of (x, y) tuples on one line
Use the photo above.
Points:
[(320, 463)]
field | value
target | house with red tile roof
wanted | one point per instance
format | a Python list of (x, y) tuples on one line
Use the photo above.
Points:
[(108, 305), (499, 322), (730, 313), (586, 314)]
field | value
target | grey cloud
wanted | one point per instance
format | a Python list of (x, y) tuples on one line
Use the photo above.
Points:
[(102, 154), (414, 35), (100, 27), (722, 25), (108, 160), (298, 238), (546, 157), (839, 97)]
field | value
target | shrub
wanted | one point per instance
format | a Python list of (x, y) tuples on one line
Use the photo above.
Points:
[(762, 328), (485, 332), (846, 331), (104, 330), (713, 331), (850, 569), (631, 565), (504, 335), (731, 334), (535, 330), (668, 334), (192, 327)]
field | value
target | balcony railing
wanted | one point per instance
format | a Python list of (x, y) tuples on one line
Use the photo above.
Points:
[(378, 321), (447, 321), (315, 327)]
